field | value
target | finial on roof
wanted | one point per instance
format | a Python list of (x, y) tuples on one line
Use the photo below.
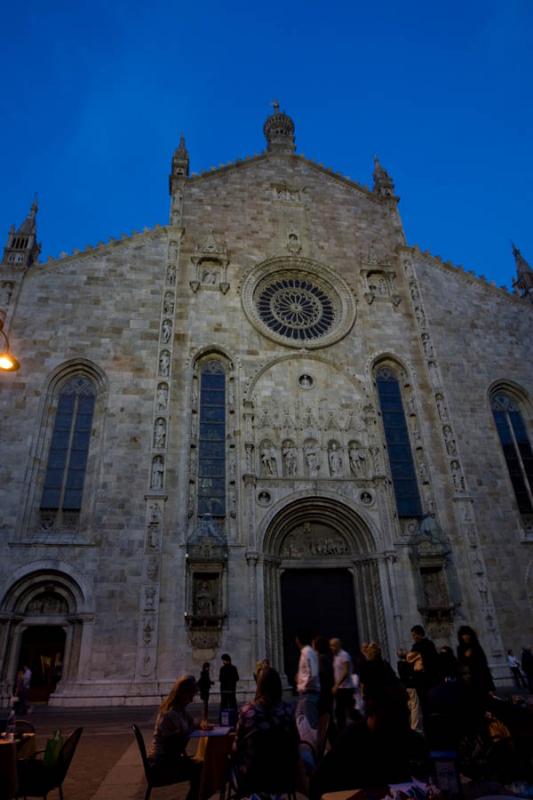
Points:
[(383, 183), (180, 159), (523, 285), (279, 131), (22, 249)]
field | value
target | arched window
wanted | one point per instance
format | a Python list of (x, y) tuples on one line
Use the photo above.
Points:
[(516, 448), (67, 458), (212, 440), (398, 444)]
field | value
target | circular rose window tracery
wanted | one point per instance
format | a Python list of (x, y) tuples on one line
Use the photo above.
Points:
[(298, 303)]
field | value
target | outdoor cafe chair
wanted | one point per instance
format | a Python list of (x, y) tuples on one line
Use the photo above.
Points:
[(36, 779), (152, 781)]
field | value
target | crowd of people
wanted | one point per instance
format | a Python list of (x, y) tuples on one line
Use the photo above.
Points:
[(380, 724)]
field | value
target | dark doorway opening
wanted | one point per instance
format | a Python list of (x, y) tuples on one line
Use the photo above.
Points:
[(319, 600), (42, 650)]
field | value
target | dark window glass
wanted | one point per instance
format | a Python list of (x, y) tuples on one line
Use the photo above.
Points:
[(67, 459), (212, 441), (516, 448), (398, 445)]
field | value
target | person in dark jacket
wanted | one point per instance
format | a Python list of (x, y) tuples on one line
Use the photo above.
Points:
[(228, 677), (473, 667), (204, 687)]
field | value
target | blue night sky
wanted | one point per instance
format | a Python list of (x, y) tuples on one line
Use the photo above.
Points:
[(93, 98)]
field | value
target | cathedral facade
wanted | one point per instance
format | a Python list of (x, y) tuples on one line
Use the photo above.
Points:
[(271, 413)]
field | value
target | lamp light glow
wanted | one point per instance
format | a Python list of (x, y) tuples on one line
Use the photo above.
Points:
[(8, 362)]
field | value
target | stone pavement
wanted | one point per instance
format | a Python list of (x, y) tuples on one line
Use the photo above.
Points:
[(107, 764)]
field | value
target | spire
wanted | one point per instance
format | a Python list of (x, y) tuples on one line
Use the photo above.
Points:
[(180, 160), (523, 285), (22, 248), (279, 131), (383, 183)]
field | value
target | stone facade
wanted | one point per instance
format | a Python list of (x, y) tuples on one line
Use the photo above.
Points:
[(293, 285)]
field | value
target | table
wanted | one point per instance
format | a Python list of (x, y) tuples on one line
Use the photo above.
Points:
[(26, 745), (8, 769), (213, 749)]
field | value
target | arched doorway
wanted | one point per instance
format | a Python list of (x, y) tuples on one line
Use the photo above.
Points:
[(41, 626), (322, 572), (42, 649)]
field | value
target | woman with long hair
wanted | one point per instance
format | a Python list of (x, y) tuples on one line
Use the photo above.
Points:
[(173, 727)]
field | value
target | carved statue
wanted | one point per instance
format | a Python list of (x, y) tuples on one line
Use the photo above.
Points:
[(269, 466), (161, 398), (428, 347), (164, 363), (166, 331), (334, 459), (160, 432), (449, 441), (209, 277), (157, 473), (249, 452), (420, 316), (441, 406), (290, 459), (204, 599), (312, 459), (171, 274), (422, 469), (457, 476), (147, 631), (168, 303), (358, 460), (414, 292)]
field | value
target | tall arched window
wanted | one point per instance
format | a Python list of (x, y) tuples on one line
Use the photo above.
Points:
[(67, 458), (398, 444), (212, 440), (516, 448)]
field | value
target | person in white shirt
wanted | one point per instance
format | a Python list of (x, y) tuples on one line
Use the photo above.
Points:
[(343, 688), (514, 665), (307, 682)]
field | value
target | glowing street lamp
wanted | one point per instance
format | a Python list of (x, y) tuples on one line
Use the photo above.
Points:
[(8, 362)]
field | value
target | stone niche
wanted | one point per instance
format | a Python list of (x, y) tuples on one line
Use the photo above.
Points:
[(207, 555), (436, 587)]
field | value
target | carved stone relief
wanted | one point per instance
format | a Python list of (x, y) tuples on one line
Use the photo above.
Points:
[(168, 303), (166, 331), (157, 473), (358, 459), (311, 541), (161, 398), (268, 455), (335, 459), (160, 433), (6, 292), (164, 363), (312, 458), (290, 458)]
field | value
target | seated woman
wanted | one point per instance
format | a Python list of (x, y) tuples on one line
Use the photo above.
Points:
[(265, 752), (173, 726)]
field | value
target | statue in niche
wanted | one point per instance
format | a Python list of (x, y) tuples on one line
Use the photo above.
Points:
[(414, 292), (377, 458), (164, 363), (204, 601), (430, 529), (158, 469), (269, 467), (312, 459), (209, 277), (249, 453), (334, 460), (358, 460), (423, 473), (434, 373), (441, 406), (290, 459), (428, 347), (420, 316), (449, 441), (148, 629), (6, 291), (166, 331), (435, 588), (149, 597), (152, 569), (161, 398), (168, 303), (160, 432), (171, 274), (457, 476), (172, 251), (410, 403)]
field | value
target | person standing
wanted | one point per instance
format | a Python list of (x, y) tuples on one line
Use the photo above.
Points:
[(204, 687), (473, 667), (514, 665), (307, 686), (343, 688), (228, 677)]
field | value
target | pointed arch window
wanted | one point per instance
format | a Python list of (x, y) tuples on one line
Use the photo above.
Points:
[(69, 447), (516, 448), (398, 444), (212, 440)]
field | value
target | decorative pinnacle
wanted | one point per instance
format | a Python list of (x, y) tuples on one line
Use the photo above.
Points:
[(275, 106)]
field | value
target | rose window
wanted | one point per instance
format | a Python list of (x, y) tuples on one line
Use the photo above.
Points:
[(298, 303), (296, 308)]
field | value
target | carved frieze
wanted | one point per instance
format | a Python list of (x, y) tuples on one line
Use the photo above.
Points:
[(309, 541)]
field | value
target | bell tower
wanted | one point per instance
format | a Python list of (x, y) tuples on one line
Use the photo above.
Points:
[(22, 248)]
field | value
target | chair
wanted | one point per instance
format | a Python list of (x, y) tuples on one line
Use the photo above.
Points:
[(273, 765), (36, 779), (152, 780), (21, 726)]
